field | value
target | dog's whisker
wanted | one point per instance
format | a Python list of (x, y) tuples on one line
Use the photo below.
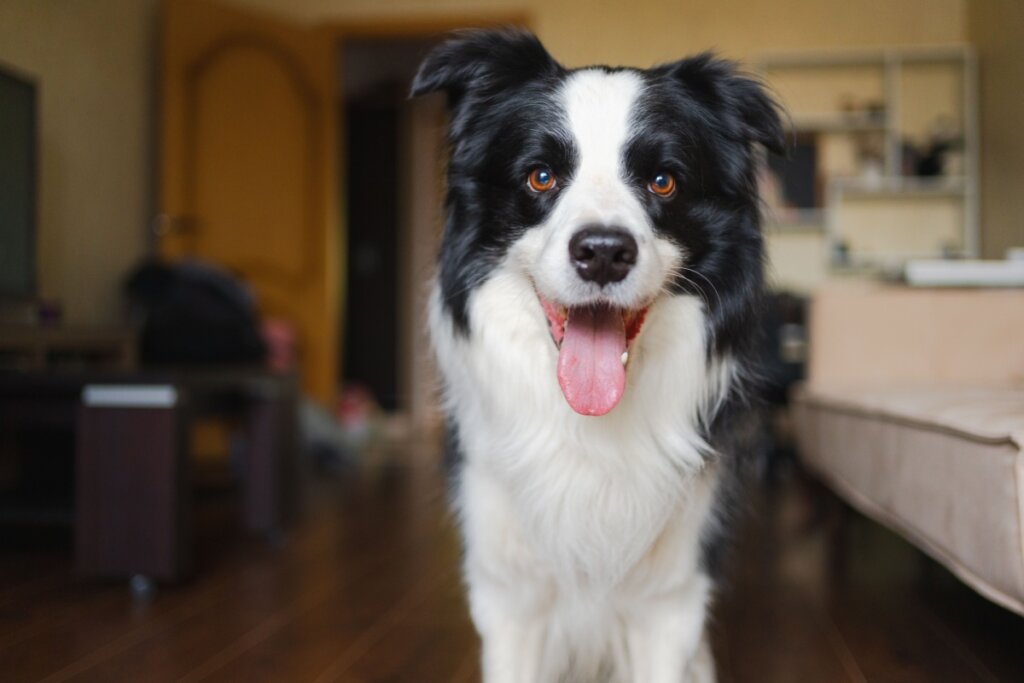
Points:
[(677, 274), (718, 295)]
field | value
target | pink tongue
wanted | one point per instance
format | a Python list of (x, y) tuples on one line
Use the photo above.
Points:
[(590, 369)]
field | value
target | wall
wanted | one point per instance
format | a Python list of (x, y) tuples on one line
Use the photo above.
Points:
[(586, 31), (995, 27), (93, 60), (580, 32)]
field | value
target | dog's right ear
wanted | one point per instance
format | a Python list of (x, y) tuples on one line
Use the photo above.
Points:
[(734, 97), (482, 60)]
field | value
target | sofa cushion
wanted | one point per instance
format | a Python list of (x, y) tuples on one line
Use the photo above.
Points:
[(942, 466)]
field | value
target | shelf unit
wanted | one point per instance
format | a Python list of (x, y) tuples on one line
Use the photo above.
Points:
[(886, 121), (837, 123), (939, 186)]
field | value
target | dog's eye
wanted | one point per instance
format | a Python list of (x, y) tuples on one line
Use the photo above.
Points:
[(663, 185), (541, 179)]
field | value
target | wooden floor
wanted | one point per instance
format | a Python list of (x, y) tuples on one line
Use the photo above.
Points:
[(366, 589)]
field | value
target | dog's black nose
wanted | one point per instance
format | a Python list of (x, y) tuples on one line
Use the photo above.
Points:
[(602, 255)]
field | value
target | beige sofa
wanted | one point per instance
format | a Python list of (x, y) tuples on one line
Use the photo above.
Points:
[(913, 411)]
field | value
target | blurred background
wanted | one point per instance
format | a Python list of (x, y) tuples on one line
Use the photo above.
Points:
[(219, 439)]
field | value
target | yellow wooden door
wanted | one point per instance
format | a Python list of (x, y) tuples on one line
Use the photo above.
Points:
[(248, 163)]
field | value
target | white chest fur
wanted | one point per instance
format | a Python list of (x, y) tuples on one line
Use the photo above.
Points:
[(587, 496)]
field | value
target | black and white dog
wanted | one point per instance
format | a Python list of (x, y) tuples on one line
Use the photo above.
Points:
[(593, 313)]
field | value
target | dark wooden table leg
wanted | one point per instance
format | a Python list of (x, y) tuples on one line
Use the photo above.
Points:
[(132, 503), (270, 477)]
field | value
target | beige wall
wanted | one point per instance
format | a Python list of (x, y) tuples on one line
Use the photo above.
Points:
[(996, 27), (93, 62), (581, 32), (644, 32)]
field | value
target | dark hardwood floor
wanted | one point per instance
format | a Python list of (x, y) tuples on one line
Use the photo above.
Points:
[(366, 589)]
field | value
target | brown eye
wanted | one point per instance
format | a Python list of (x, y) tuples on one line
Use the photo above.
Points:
[(541, 179), (663, 185)]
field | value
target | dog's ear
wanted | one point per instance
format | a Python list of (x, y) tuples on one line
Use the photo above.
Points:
[(731, 94), (482, 60)]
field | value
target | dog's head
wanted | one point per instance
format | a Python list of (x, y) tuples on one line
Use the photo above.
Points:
[(606, 188)]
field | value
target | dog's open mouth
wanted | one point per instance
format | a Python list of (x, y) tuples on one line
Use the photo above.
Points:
[(593, 350)]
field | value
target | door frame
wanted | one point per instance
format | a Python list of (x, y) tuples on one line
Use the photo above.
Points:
[(393, 28)]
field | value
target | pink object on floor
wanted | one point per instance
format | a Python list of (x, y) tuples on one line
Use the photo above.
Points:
[(279, 336)]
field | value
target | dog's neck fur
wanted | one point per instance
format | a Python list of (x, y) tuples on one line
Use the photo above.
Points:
[(594, 492)]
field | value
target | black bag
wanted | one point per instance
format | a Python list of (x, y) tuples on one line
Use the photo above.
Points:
[(194, 313)]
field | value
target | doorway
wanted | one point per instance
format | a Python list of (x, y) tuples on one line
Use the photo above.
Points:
[(392, 151)]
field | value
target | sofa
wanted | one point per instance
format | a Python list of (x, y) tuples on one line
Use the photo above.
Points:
[(913, 412)]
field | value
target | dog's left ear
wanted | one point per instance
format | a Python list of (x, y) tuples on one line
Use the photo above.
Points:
[(720, 85)]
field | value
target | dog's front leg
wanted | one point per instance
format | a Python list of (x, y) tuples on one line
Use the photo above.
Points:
[(513, 653), (510, 594), (666, 640), (702, 666), (513, 641)]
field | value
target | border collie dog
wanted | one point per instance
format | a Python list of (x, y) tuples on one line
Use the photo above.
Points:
[(593, 317)]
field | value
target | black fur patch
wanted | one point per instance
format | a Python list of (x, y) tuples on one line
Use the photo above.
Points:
[(700, 119), (505, 119)]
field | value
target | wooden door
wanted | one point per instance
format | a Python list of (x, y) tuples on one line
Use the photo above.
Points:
[(248, 175)]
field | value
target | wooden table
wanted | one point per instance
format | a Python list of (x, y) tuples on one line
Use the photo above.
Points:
[(132, 514), (42, 348)]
